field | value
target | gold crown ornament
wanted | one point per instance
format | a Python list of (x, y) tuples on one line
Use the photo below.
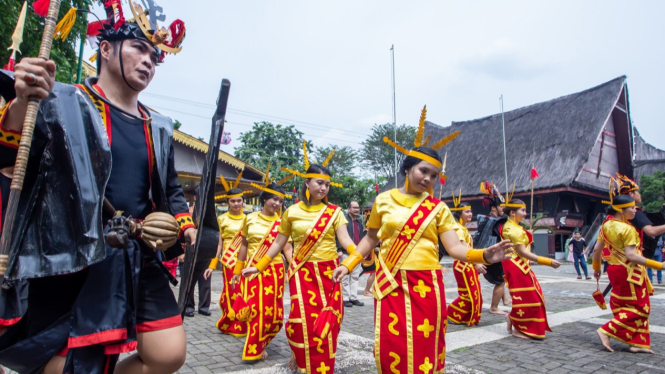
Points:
[(230, 186), (418, 142), (307, 175), (509, 199), (615, 187), (268, 181), (456, 202)]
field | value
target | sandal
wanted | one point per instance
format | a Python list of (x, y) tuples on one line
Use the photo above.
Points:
[(579, 277), (587, 278)]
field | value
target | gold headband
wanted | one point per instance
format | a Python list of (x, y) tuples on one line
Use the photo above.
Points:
[(459, 208), (319, 176), (268, 190), (426, 158), (513, 205), (623, 206), (236, 195)]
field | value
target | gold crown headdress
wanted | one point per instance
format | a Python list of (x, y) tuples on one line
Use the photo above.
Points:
[(307, 175), (169, 40), (230, 186), (625, 185), (268, 181), (418, 142), (509, 199), (456, 202), (615, 186)]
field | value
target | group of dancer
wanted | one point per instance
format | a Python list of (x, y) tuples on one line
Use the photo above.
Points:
[(72, 303)]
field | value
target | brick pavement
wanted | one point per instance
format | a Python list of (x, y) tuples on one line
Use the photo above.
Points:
[(571, 347)]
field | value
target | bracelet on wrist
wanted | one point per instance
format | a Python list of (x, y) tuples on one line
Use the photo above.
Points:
[(351, 249), (213, 263), (263, 263), (476, 256), (595, 265), (237, 270), (544, 261), (656, 265), (352, 261)]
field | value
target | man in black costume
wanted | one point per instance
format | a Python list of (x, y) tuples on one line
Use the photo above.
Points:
[(96, 151)]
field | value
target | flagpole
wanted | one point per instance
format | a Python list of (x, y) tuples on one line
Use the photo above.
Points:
[(505, 161), (533, 166), (392, 53)]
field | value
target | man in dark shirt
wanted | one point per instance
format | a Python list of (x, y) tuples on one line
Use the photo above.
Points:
[(579, 248), (356, 229), (641, 222)]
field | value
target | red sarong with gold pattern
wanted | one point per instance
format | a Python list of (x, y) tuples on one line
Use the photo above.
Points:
[(226, 324), (410, 324), (310, 286), (631, 307), (265, 294), (467, 308), (528, 313)]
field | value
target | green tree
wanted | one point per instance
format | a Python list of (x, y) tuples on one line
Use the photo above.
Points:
[(342, 163), (379, 157), (360, 190), (65, 54), (176, 124), (279, 145), (652, 189)]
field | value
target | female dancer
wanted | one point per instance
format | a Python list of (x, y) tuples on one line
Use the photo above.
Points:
[(528, 316), (410, 307), (630, 286), (313, 225), (230, 238), (263, 293), (467, 308)]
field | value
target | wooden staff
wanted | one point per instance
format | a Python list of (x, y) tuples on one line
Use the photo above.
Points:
[(26, 139)]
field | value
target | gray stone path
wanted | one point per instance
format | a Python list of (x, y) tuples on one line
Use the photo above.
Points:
[(486, 348)]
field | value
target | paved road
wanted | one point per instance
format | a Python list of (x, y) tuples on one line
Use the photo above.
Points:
[(486, 348)]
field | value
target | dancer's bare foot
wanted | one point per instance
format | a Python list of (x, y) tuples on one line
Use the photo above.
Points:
[(605, 340), (264, 356), (509, 326), (367, 293), (498, 311), (516, 333), (507, 300), (640, 350), (293, 366)]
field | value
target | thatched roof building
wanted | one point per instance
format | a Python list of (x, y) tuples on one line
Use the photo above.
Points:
[(576, 142)]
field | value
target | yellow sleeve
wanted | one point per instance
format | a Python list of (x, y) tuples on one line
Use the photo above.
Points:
[(340, 221), (630, 237), (245, 228), (220, 222), (445, 221), (374, 221), (285, 225), (515, 234), (460, 234)]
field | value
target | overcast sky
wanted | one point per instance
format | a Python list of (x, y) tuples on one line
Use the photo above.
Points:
[(325, 65)]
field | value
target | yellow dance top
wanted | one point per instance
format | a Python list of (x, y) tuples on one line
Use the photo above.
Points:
[(619, 235), (229, 226), (299, 218), (516, 234), (464, 235), (254, 229), (390, 209)]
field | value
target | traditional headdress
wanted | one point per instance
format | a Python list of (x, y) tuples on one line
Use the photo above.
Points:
[(616, 186), (494, 197), (418, 142), (268, 181), (456, 202), (625, 185), (233, 185), (307, 175), (509, 203), (143, 26)]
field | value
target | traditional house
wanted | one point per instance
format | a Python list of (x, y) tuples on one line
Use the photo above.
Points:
[(576, 142)]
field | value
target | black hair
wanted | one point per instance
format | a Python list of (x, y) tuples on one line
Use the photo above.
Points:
[(235, 191), (410, 161), (508, 209), (115, 44), (263, 196), (458, 213), (619, 200), (313, 169), (352, 201)]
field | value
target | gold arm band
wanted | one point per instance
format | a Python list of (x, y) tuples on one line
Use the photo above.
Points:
[(654, 265), (351, 249), (352, 261), (213, 263), (544, 261), (237, 270), (595, 265), (263, 263), (476, 256)]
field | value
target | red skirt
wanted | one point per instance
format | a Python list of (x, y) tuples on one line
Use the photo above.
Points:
[(528, 314), (265, 296), (310, 289), (225, 324), (467, 308), (410, 324), (631, 308)]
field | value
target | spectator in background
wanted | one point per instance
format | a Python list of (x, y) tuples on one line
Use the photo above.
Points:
[(356, 228), (579, 248), (198, 277), (657, 256)]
